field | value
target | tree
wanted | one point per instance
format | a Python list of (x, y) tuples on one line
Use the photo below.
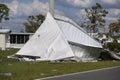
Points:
[(33, 23), (114, 28), (4, 12), (95, 18)]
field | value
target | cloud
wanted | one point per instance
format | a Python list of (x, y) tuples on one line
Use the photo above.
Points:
[(115, 12), (13, 7), (79, 3), (80, 13), (76, 3), (34, 7), (113, 15), (19, 11), (88, 3), (110, 1), (111, 19)]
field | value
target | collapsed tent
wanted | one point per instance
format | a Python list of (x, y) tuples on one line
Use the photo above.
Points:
[(84, 47), (48, 42), (60, 38)]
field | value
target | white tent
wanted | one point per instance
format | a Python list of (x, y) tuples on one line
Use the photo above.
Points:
[(61, 38), (48, 42)]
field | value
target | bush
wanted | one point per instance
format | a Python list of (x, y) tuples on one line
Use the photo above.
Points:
[(113, 46)]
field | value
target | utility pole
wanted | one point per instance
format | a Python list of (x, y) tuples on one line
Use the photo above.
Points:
[(51, 7)]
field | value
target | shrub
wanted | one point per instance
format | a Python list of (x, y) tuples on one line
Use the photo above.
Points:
[(113, 46)]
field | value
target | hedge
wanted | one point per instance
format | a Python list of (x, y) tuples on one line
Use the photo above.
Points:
[(113, 46)]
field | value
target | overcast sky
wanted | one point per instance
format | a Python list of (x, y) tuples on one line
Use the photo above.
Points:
[(74, 9)]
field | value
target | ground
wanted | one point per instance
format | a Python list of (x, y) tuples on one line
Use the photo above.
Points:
[(11, 69)]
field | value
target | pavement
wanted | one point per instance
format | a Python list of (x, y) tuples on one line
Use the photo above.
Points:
[(112, 73)]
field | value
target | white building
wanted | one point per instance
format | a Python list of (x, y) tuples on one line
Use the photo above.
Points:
[(4, 33), (17, 40)]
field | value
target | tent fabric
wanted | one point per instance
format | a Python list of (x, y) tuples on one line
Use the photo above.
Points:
[(60, 38), (74, 33), (48, 42), (84, 47), (85, 53)]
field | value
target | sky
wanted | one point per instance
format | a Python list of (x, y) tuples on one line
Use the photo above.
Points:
[(74, 9)]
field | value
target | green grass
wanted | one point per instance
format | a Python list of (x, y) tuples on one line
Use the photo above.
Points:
[(4, 54), (31, 70)]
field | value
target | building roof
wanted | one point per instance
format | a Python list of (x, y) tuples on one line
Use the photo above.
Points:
[(4, 31), (22, 33)]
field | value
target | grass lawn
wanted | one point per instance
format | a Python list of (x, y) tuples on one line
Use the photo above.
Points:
[(16, 70)]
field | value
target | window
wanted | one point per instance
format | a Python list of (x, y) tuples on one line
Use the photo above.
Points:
[(19, 38)]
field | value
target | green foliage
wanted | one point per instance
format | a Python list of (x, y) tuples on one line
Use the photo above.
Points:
[(95, 17), (113, 46), (33, 23), (4, 54), (4, 12)]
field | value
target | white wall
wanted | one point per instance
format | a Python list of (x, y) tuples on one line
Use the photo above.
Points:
[(2, 41)]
